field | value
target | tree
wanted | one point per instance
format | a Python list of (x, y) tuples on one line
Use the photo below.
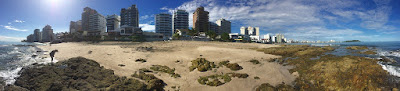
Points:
[(211, 34), (176, 36), (225, 37), (193, 32), (138, 38)]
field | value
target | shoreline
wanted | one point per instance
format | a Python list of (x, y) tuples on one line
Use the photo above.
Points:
[(110, 55), (271, 72)]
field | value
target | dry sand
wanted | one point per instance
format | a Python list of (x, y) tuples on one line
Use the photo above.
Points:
[(110, 54)]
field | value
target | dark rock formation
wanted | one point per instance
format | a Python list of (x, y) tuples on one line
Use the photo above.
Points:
[(75, 74)]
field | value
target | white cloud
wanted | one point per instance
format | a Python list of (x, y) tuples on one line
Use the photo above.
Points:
[(19, 21), (9, 23), (10, 39), (13, 28), (147, 27), (286, 16), (145, 17)]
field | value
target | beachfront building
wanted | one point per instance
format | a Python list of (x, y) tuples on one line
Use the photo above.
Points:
[(224, 26), (213, 27), (37, 35), (267, 38), (180, 20), (75, 26), (244, 31), (113, 23), (130, 16), (280, 38), (130, 30), (93, 23), (47, 34), (164, 24), (200, 20)]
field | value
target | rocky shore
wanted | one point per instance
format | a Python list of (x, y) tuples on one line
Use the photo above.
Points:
[(75, 74)]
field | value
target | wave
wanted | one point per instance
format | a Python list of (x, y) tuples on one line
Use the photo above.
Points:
[(390, 53), (24, 59), (393, 70)]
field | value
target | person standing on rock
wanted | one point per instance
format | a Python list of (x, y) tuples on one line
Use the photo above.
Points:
[(52, 53)]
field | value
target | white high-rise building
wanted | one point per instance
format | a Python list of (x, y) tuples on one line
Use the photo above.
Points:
[(250, 31), (164, 24)]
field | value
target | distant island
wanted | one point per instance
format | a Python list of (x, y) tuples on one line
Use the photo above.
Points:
[(352, 41)]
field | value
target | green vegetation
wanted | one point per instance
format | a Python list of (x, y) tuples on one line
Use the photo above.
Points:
[(152, 81), (231, 66), (357, 47), (202, 65), (255, 61), (369, 52), (238, 75), (78, 74), (217, 80), (331, 72), (176, 36), (137, 38), (352, 41), (225, 37), (165, 69), (211, 34)]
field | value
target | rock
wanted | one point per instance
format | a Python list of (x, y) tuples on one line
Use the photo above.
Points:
[(122, 65), (2, 84), (90, 52), (74, 74), (14, 88)]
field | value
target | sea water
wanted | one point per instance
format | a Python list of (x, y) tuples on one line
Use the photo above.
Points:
[(16, 55), (390, 50)]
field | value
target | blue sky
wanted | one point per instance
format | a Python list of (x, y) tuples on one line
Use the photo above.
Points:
[(366, 20)]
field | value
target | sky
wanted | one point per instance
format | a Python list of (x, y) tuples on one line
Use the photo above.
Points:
[(365, 20)]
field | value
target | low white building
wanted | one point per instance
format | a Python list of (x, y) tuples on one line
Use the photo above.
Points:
[(129, 30)]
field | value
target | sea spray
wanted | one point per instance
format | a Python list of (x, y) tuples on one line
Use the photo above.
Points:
[(14, 58)]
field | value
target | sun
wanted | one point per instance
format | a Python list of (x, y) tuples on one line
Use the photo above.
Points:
[(54, 2)]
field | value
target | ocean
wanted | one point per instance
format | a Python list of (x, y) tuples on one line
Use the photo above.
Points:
[(390, 50), (16, 55)]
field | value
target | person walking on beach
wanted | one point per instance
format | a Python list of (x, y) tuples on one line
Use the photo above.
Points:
[(52, 55)]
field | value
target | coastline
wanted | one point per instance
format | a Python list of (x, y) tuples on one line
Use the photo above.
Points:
[(291, 70), (110, 55)]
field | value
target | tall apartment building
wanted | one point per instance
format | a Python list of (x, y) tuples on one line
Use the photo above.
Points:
[(93, 22), (250, 31), (164, 24), (200, 20), (213, 27), (180, 20), (75, 26), (47, 34), (113, 22), (224, 26), (280, 38), (37, 35), (130, 16)]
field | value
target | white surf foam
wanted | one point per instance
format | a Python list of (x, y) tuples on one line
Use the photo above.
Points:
[(10, 75), (393, 70), (386, 53)]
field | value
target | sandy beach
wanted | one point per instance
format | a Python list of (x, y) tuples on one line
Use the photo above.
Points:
[(111, 54)]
